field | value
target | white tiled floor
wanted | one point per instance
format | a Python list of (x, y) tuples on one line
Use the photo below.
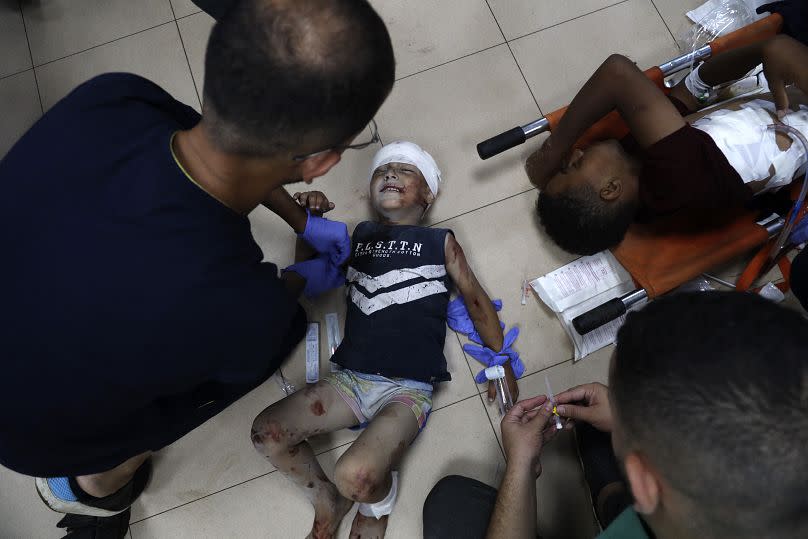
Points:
[(467, 69)]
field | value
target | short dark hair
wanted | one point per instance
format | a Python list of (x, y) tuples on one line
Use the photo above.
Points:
[(713, 388), (295, 75), (580, 222)]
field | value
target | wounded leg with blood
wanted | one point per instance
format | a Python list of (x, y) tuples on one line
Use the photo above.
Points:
[(280, 432), (365, 473)]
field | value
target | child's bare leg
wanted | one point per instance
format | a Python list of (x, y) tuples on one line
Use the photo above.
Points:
[(363, 472), (280, 432)]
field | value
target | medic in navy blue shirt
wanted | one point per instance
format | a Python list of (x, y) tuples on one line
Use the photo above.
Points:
[(136, 304)]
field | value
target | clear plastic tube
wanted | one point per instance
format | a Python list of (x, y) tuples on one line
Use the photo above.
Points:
[(786, 232), (496, 374)]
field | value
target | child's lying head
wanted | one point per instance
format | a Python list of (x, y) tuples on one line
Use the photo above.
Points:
[(404, 182), (589, 204)]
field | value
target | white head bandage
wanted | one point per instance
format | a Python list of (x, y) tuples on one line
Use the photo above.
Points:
[(412, 154)]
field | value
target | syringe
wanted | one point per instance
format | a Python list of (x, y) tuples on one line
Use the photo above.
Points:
[(551, 397), (497, 375)]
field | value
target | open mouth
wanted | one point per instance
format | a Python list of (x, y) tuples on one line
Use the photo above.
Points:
[(391, 187)]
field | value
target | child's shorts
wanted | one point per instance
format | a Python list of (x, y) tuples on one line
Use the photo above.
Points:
[(366, 394)]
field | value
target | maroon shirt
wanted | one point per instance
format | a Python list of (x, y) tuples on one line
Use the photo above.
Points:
[(685, 170)]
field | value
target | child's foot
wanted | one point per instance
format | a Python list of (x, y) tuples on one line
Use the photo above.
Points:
[(328, 515), (368, 527)]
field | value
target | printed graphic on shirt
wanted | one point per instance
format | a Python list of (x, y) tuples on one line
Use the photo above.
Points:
[(383, 249), (384, 290), (370, 305)]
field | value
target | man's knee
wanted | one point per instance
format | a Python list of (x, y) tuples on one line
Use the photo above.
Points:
[(360, 480), (447, 488)]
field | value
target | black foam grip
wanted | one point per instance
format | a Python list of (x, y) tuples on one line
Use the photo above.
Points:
[(591, 320), (500, 143)]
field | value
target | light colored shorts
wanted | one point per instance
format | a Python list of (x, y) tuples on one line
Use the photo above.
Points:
[(366, 394)]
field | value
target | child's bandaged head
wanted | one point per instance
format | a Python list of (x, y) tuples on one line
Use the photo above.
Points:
[(411, 154)]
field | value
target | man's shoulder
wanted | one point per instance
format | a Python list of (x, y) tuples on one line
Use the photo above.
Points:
[(126, 89)]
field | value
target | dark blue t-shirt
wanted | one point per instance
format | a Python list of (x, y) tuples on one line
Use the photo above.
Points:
[(398, 295), (130, 294)]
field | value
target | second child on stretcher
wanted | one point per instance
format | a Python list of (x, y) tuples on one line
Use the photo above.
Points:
[(590, 196), (399, 275)]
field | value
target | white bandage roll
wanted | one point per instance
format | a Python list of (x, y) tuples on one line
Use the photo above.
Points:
[(412, 154), (385, 507), (702, 91)]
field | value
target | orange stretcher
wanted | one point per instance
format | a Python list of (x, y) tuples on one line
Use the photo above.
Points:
[(669, 252)]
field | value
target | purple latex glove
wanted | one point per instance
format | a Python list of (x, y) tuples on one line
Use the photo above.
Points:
[(457, 316), (328, 237), (799, 234), (320, 273), (489, 358)]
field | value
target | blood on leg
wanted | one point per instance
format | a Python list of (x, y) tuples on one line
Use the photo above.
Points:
[(280, 433)]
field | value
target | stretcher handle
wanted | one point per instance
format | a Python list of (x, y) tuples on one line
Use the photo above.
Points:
[(603, 314), (502, 142), (757, 31)]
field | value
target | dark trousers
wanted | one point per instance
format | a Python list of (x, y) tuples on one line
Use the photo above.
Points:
[(214, 8), (799, 278), (462, 507), (458, 506)]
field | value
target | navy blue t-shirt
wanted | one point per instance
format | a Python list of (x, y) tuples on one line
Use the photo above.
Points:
[(397, 302), (131, 297)]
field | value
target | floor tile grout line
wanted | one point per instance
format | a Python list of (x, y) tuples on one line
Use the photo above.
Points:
[(519, 67), (185, 52), (539, 371), (20, 72), (464, 399), (203, 497), (491, 422), (31, 55), (449, 61), (581, 16), (275, 470), (506, 40), (481, 207), (102, 44), (666, 25), (188, 15)]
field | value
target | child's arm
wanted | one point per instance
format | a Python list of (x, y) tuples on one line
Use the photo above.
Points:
[(617, 85), (481, 311), (282, 204)]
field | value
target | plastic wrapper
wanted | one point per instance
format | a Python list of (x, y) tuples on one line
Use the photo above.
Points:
[(699, 284), (714, 19)]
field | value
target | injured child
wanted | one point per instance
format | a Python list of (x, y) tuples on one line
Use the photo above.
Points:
[(590, 196), (399, 276)]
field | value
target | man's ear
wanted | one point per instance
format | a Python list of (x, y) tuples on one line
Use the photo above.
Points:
[(644, 483), (612, 190), (318, 165)]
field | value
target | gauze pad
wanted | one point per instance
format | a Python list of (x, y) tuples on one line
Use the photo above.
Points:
[(750, 146), (412, 154), (384, 507)]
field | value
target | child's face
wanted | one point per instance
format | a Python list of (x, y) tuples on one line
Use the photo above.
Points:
[(603, 165), (399, 186)]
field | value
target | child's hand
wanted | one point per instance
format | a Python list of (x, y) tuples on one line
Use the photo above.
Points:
[(510, 379), (314, 201)]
